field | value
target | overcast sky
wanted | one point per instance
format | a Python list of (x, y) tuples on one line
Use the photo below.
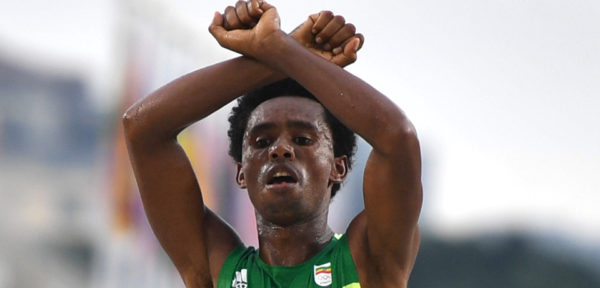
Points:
[(505, 94)]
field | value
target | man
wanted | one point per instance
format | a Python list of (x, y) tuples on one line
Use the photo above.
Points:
[(287, 162)]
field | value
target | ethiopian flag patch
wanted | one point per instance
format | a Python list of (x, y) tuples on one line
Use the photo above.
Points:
[(323, 274)]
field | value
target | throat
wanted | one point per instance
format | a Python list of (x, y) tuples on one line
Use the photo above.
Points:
[(293, 245)]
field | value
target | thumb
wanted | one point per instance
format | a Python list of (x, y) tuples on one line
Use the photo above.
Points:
[(216, 27), (348, 55), (314, 17), (352, 47)]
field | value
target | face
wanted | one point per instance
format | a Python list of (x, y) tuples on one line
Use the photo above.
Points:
[(288, 165)]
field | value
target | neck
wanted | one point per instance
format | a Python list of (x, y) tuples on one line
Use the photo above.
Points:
[(292, 244)]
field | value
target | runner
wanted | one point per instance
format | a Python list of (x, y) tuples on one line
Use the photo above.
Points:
[(293, 150)]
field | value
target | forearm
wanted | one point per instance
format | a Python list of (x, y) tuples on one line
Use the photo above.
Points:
[(195, 239), (354, 102), (168, 110)]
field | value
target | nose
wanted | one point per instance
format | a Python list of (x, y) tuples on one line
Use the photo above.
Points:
[(281, 150)]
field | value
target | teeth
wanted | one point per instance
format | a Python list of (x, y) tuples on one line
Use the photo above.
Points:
[(281, 174)]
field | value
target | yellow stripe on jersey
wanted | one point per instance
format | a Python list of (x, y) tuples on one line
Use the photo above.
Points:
[(352, 285)]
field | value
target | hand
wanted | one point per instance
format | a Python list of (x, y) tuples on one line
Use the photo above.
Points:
[(330, 37), (244, 15), (246, 41), (337, 42)]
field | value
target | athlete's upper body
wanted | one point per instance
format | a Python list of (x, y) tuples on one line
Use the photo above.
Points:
[(284, 136)]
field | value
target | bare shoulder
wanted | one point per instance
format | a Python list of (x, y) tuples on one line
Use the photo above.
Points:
[(379, 270)]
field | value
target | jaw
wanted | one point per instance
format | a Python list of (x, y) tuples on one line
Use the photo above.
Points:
[(285, 216), (290, 207)]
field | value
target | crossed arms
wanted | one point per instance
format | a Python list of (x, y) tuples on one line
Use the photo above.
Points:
[(383, 238)]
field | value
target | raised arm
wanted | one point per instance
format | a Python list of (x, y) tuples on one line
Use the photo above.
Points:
[(384, 237), (192, 235), (196, 239)]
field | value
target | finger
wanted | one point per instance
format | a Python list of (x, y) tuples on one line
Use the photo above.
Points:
[(264, 5), (337, 50), (314, 17), (306, 26), (270, 12), (351, 48), (254, 9), (361, 40), (342, 36), (216, 27), (216, 23), (231, 19), (241, 9), (349, 54), (329, 30), (343, 60), (321, 21), (340, 49)]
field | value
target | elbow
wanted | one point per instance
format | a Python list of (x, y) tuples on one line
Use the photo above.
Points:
[(140, 126), (400, 139), (131, 121)]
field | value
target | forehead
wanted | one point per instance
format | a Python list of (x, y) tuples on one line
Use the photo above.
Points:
[(288, 108)]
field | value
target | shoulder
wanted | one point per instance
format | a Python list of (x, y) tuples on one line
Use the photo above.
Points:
[(378, 270), (236, 265)]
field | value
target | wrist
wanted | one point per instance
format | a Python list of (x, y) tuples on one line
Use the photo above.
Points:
[(271, 44), (278, 50)]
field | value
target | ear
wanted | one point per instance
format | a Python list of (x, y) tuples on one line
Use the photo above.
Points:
[(339, 169), (240, 177)]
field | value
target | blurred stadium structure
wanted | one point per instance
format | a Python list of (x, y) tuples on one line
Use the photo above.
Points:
[(70, 215)]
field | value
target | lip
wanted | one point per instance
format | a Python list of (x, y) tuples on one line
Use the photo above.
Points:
[(281, 187), (279, 169)]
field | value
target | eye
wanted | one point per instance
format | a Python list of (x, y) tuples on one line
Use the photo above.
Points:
[(263, 142), (302, 141)]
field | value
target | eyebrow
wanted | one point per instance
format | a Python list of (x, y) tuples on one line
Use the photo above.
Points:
[(292, 123)]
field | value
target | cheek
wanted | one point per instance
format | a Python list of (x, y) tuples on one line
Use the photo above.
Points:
[(323, 159), (247, 153), (252, 164)]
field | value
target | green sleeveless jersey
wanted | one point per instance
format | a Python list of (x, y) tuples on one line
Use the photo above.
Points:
[(332, 267)]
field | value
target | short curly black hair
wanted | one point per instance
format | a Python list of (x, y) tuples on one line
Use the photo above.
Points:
[(344, 140)]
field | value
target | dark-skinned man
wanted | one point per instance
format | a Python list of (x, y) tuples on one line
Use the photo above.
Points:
[(287, 158)]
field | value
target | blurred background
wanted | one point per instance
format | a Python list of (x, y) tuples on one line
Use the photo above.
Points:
[(504, 94)]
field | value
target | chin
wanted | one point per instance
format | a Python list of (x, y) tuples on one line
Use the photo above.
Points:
[(285, 213)]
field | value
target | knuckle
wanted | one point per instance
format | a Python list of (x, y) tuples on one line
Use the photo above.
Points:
[(339, 18), (253, 9), (335, 40), (327, 13), (232, 19), (244, 17), (361, 37), (229, 10), (351, 27)]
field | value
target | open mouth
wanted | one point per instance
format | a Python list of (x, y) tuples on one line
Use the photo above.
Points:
[(282, 177)]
